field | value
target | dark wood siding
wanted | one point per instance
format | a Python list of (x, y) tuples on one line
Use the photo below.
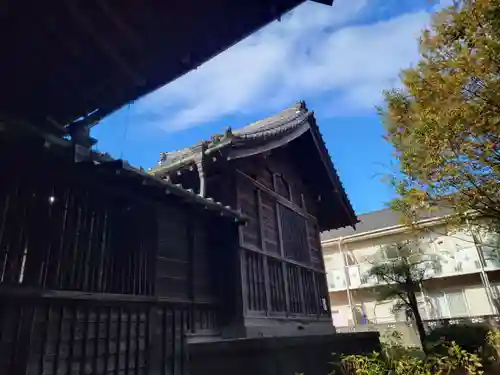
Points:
[(248, 203), (59, 232), (79, 261), (281, 253), (173, 264), (184, 259), (295, 241), (270, 224)]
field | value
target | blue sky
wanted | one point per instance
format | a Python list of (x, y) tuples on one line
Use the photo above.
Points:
[(338, 59)]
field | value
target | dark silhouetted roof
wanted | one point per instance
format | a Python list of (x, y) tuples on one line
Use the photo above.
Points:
[(68, 60)]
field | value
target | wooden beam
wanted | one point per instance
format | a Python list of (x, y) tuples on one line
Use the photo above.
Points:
[(105, 46), (276, 196), (46, 32), (119, 24)]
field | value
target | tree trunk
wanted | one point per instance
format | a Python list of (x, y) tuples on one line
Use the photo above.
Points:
[(412, 298)]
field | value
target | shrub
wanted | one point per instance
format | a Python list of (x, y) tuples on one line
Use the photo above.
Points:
[(442, 358), (470, 337), (456, 361)]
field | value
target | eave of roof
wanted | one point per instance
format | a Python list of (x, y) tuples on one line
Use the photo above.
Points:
[(288, 122), (104, 160), (81, 60), (261, 130)]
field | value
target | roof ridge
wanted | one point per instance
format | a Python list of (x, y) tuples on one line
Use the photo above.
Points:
[(285, 120)]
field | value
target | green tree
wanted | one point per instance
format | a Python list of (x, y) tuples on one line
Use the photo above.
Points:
[(444, 122), (401, 277)]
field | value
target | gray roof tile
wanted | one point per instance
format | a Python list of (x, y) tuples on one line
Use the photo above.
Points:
[(377, 220)]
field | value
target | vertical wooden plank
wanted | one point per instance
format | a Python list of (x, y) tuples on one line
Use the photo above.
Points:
[(164, 341), (3, 226), (245, 287), (66, 202), (249, 280), (82, 267), (191, 243), (58, 337), (97, 337), (65, 263), (150, 258), (107, 352), (283, 264), (87, 274), (17, 349), (84, 339), (267, 286), (129, 243), (174, 358), (73, 258), (95, 239), (102, 250), (255, 281), (302, 289), (44, 340), (107, 253), (118, 341), (183, 344), (316, 294), (54, 230), (128, 355), (138, 342), (150, 349), (72, 326), (95, 250), (113, 248), (18, 236), (262, 283)]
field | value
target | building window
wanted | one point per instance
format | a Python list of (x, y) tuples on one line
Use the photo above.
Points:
[(449, 304), (457, 303), (294, 235)]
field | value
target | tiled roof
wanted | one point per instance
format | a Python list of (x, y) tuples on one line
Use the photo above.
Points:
[(285, 120), (272, 126), (377, 220), (273, 131)]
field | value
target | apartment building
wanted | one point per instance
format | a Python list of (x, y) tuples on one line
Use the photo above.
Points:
[(463, 284)]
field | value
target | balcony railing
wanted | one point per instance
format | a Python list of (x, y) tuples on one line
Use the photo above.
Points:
[(463, 261)]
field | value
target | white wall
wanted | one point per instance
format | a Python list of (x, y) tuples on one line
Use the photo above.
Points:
[(449, 302), (456, 251)]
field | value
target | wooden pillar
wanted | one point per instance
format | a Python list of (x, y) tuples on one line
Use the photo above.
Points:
[(201, 174), (200, 167)]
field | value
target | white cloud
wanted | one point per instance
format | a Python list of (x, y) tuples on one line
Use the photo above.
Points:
[(310, 52)]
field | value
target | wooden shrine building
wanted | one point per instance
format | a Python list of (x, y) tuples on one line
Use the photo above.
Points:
[(277, 171), (106, 269), (86, 281)]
